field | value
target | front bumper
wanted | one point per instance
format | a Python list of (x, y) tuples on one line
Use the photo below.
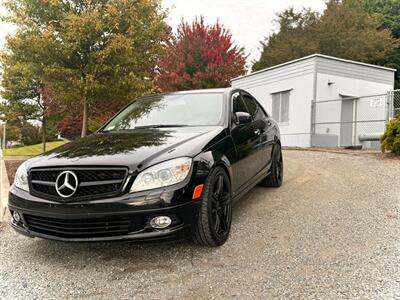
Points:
[(102, 220)]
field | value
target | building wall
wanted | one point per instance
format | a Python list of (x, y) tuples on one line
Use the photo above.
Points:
[(298, 78), (307, 79), (351, 80)]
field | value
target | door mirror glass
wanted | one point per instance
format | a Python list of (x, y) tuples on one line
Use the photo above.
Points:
[(242, 117)]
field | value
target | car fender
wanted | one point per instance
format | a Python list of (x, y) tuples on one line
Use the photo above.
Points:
[(205, 162)]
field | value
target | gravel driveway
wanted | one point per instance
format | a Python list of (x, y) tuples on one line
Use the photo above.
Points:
[(331, 231)]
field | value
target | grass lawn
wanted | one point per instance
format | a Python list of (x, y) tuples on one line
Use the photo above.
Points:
[(32, 149)]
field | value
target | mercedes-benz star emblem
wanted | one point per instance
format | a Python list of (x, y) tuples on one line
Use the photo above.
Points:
[(66, 184)]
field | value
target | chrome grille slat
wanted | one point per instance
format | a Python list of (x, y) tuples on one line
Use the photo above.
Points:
[(49, 183), (94, 182), (90, 183)]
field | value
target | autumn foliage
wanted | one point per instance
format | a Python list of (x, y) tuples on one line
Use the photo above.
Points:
[(70, 117), (200, 56), (70, 126)]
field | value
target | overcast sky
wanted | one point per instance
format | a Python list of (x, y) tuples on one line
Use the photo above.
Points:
[(248, 20)]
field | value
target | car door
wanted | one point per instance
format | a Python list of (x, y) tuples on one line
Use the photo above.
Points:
[(263, 127), (246, 142)]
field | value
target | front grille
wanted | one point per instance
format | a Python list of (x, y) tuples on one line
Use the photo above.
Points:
[(84, 228), (93, 183)]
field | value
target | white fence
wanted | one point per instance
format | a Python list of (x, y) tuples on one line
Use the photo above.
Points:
[(349, 121)]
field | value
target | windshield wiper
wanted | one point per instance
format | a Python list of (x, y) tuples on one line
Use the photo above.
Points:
[(161, 126)]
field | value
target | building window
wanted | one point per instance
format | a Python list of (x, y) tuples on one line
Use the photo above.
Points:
[(280, 106)]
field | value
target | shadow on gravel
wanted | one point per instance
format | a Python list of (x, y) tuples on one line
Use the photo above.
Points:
[(82, 255)]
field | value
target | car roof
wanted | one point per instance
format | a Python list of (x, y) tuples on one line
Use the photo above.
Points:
[(199, 91), (202, 91)]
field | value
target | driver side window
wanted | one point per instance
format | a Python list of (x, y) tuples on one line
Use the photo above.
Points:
[(238, 104), (255, 109)]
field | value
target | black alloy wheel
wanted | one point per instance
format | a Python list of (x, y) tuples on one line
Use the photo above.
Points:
[(275, 177), (215, 217)]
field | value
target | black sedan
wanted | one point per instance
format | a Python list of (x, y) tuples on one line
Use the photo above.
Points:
[(166, 166)]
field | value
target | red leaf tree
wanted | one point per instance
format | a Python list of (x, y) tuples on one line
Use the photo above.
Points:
[(70, 123), (200, 56), (70, 126)]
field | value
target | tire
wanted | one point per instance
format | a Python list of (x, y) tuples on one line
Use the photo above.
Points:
[(215, 216), (275, 177)]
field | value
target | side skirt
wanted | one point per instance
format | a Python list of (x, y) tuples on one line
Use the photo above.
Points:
[(252, 183)]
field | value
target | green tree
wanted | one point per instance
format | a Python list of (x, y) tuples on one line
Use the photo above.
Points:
[(30, 134), (13, 131), (387, 13), (22, 87), (91, 51), (295, 39), (344, 30)]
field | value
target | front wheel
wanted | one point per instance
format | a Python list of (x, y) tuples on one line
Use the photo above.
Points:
[(275, 177), (215, 216)]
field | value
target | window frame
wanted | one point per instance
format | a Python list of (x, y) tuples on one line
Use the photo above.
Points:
[(231, 112), (280, 113), (265, 114)]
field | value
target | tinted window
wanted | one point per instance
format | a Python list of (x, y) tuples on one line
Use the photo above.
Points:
[(254, 108), (238, 104), (169, 110)]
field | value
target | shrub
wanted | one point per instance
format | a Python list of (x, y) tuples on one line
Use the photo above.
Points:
[(30, 134), (390, 140)]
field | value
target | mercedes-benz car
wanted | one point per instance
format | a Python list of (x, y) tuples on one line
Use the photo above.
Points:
[(166, 167)]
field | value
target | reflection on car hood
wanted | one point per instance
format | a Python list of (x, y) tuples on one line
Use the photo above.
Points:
[(136, 149)]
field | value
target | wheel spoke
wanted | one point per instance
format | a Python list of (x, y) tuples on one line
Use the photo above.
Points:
[(220, 185), (214, 200), (220, 201), (216, 223), (224, 221), (224, 200)]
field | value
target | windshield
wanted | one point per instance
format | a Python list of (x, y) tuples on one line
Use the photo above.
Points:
[(170, 111)]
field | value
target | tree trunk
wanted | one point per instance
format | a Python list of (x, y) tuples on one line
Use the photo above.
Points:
[(44, 133), (84, 120)]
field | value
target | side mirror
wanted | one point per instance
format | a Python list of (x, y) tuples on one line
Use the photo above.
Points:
[(242, 117)]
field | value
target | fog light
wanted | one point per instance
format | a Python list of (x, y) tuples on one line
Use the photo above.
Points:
[(16, 216), (160, 222)]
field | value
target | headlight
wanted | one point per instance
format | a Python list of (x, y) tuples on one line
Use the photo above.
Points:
[(21, 178), (163, 174)]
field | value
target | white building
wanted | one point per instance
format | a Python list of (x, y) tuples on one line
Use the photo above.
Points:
[(287, 90)]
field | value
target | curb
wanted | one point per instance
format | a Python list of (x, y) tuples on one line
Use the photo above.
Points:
[(334, 150)]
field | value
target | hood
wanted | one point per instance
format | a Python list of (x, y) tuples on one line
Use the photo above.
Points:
[(136, 149)]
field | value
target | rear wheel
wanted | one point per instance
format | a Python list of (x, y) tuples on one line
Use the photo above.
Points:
[(215, 216), (275, 177)]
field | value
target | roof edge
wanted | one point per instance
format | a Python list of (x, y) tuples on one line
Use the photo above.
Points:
[(313, 56)]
